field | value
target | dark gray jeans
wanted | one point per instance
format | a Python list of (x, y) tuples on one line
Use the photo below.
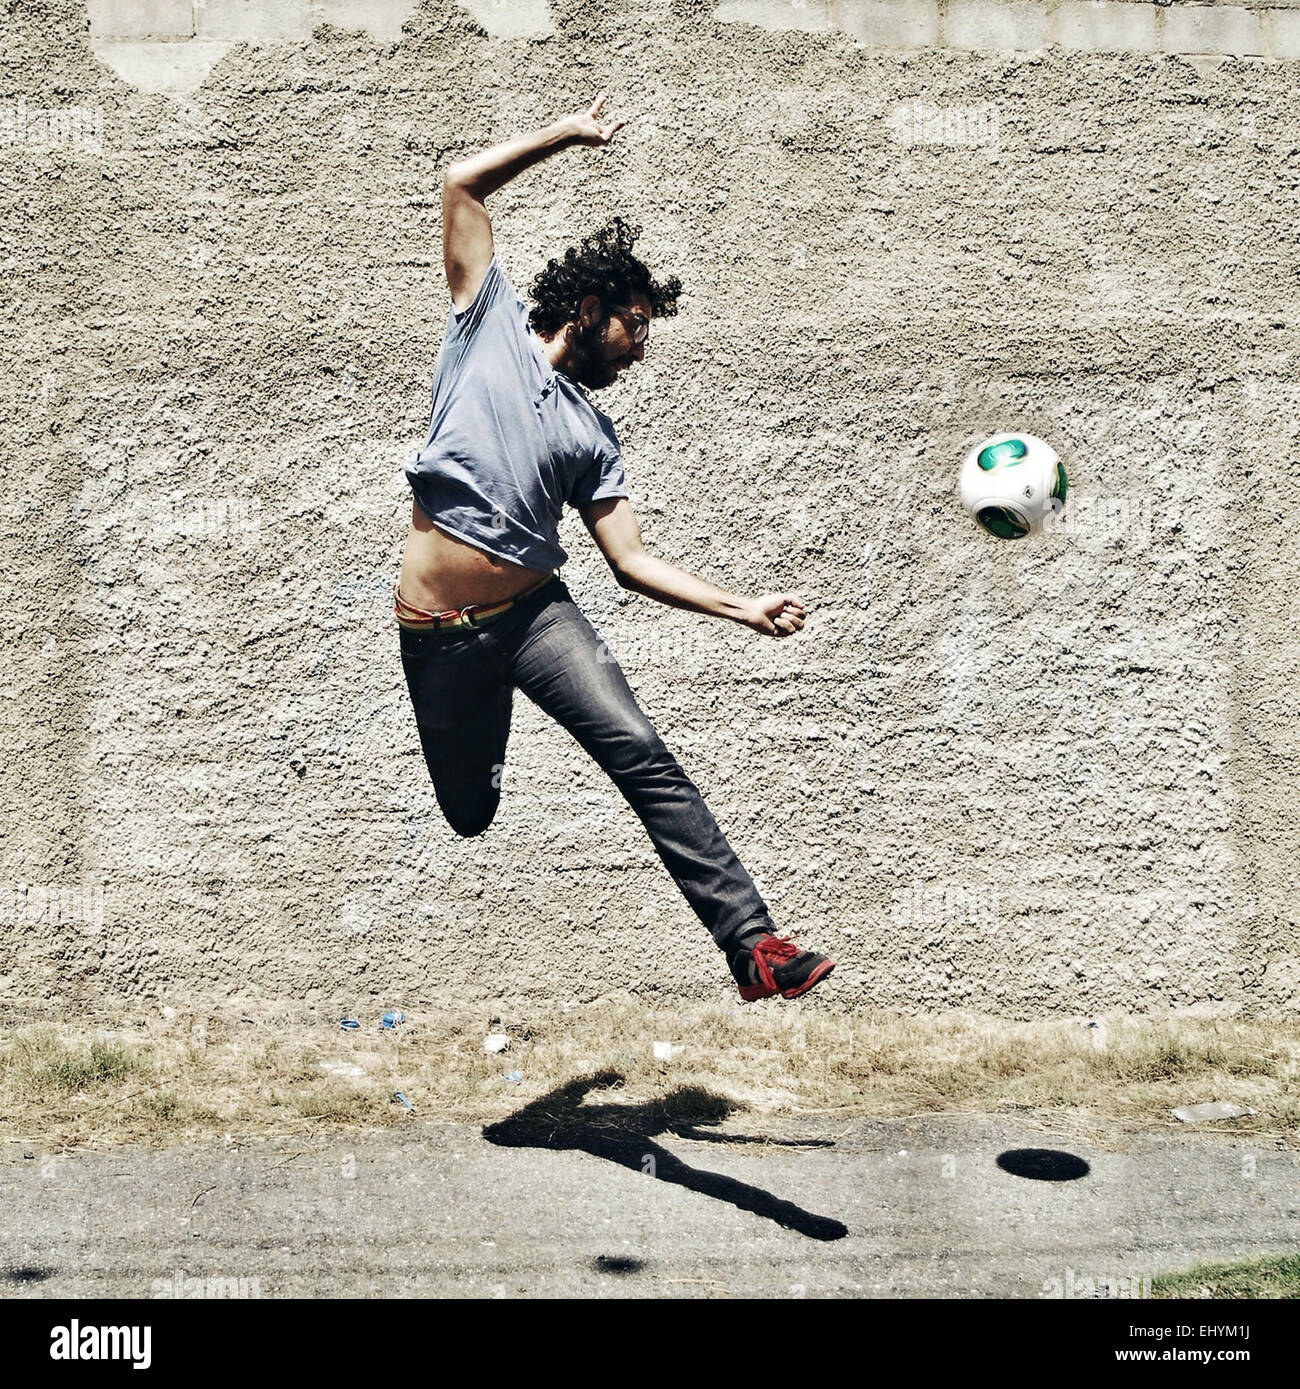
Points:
[(462, 683)]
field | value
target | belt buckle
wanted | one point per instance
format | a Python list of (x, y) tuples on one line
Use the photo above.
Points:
[(465, 614)]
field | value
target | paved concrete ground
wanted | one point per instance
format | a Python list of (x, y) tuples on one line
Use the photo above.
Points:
[(867, 1209)]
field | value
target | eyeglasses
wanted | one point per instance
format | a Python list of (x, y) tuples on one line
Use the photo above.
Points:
[(642, 329)]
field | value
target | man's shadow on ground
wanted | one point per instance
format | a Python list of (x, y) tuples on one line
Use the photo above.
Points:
[(623, 1133)]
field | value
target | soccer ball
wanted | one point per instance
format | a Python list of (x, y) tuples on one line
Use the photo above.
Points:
[(1013, 485)]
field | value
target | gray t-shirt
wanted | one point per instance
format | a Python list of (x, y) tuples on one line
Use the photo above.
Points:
[(510, 438)]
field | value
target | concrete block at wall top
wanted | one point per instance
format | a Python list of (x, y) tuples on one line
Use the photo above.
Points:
[(996, 24), (1212, 29), (140, 19), (890, 23), (813, 16), (382, 19), (253, 21), (1282, 33), (1107, 26), (511, 19), (160, 67)]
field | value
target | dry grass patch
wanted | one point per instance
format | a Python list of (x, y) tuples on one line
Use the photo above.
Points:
[(157, 1082)]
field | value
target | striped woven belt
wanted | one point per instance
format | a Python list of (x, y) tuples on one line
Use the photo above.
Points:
[(475, 615)]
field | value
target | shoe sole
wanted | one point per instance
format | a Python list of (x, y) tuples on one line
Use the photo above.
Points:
[(753, 993)]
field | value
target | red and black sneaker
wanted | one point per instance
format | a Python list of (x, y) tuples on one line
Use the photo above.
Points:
[(777, 965)]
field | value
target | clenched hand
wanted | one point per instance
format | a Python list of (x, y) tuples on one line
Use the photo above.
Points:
[(777, 614)]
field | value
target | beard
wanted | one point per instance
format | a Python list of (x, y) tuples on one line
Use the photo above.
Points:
[(591, 367)]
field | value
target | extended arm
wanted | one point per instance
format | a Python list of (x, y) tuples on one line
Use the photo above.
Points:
[(615, 529), (466, 227)]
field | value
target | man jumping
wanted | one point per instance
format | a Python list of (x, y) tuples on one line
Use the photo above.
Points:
[(480, 606)]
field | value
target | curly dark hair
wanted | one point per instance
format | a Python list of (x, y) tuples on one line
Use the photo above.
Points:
[(603, 264)]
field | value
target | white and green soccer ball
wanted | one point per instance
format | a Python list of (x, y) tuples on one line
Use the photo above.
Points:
[(1013, 485)]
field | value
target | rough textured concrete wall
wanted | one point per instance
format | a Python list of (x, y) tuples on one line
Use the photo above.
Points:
[(1053, 776)]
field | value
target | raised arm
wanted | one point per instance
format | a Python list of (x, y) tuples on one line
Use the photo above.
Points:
[(614, 527), (466, 183)]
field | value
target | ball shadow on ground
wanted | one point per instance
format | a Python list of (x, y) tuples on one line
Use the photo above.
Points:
[(1043, 1164), (625, 1133)]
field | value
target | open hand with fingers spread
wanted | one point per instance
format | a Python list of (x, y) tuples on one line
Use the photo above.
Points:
[(776, 614), (586, 127)]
